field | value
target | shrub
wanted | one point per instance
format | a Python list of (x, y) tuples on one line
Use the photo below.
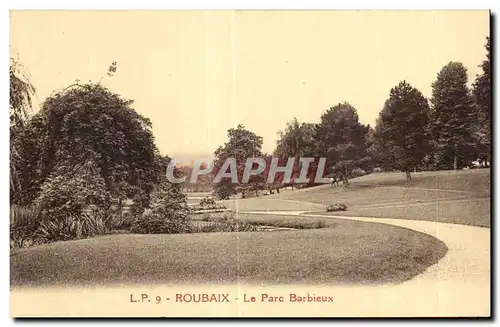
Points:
[(225, 226), (29, 227), (336, 207), (223, 190), (207, 202), (169, 212), (217, 216), (205, 217), (197, 209), (289, 223), (67, 192), (319, 224), (118, 220), (71, 228), (24, 222), (358, 172), (208, 205)]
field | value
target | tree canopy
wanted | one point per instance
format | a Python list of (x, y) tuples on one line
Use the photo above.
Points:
[(401, 130), (452, 117), (341, 138), (242, 144), (481, 91), (88, 123)]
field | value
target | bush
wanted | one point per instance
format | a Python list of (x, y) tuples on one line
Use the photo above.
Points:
[(207, 202), (68, 192), (118, 220), (198, 209), (71, 228), (169, 212), (29, 227), (225, 226), (217, 216), (336, 207), (319, 224), (289, 223), (24, 222), (357, 172)]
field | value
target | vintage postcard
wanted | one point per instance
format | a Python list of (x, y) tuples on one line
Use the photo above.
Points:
[(250, 163)]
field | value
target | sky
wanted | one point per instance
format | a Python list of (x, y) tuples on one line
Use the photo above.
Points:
[(196, 74)]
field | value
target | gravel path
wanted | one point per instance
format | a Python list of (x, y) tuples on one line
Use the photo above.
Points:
[(458, 285)]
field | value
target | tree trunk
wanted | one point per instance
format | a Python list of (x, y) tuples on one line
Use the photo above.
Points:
[(408, 175), (346, 177), (455, 158)]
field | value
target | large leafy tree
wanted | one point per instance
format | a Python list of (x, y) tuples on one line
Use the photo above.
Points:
[(481, 91), (297, 140), (341, 138), (20, 106), (88, 123), (21, 93), (30, 166), (401, 130), (242, 144), (452, 117)]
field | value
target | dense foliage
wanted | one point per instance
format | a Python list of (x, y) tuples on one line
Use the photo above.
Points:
[(452, 118), (242, 144), (401, 130), (76, 162), (169, 212)]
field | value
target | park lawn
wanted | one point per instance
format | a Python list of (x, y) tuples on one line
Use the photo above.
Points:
[(473, 213), (461, 197), (346, 252), (384, 187), (268, 203), (296, 222), (475, 181)]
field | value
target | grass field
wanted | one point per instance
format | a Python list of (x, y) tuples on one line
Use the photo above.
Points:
[(461, 197), (322, 251), (344, 252)]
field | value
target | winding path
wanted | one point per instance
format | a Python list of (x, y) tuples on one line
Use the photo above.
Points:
[(458, 285)]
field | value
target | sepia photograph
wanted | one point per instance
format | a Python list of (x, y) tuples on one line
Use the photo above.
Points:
[(250, 163)]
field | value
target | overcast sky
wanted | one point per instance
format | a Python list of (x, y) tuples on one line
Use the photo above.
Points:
[(196, 74)]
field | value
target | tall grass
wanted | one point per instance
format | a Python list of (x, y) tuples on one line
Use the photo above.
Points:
[(71, 228), (24, 221), (224, 226), (29, 227)]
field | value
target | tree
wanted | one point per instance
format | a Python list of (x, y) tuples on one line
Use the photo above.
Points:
[(298, 140), (452, 117), (242, 144), (401, 128), (169, 212), (30, 167), (88, 123), (71, 189), (481, 91), (341, 138), (372, 151), (20, 105), (21, 92)]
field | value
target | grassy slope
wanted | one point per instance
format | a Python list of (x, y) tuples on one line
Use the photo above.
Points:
[(461, 197), (345, 252)]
